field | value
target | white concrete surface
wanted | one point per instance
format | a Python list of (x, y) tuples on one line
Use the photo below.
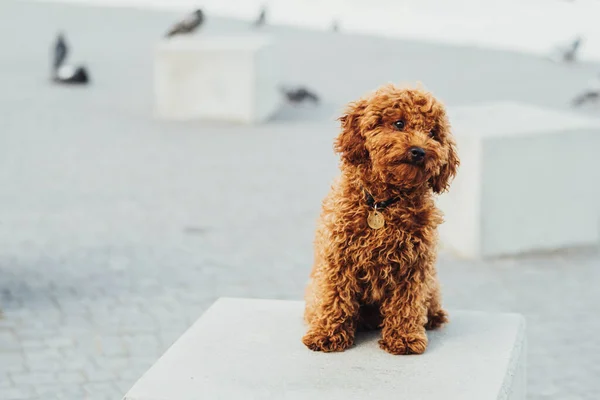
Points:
[(252, 349), (527, 181), (229, 78)]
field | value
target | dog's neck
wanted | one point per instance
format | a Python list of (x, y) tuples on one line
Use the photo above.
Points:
[(382, 191)]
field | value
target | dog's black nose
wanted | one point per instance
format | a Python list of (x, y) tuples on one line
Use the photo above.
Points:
[(416, 154)]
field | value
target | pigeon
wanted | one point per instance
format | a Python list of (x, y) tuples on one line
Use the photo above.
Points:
[(71, 74), (335, 26), (588, 95), (60, 52), (65, 73), (568, 53), (571, 53), (187, 25), (262, 18), (300, 95), (591, 94)]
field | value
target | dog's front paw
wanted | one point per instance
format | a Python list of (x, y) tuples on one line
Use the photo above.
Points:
[(404, 343), (436, 319), (319, 341)]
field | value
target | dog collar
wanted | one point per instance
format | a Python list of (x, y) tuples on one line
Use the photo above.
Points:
[(379, 205)]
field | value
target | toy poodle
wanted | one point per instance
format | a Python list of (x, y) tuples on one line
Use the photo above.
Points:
[(375, 247)]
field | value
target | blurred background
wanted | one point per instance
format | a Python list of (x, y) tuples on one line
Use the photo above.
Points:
[(119, 228)]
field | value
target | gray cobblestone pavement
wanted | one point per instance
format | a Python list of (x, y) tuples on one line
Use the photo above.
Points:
[(117, 231)]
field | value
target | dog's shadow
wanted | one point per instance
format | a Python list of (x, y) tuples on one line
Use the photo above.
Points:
[(363, 338)]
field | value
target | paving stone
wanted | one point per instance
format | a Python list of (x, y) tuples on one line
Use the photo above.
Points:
[(9, 341), (74, 393), (12, 362), (59, 342), (76, 377), (33, 344), (19, 393), (112, 363), (5, 380), (45, 352), (45, 365), (101, 389), (33, 378), (96, 374), (122, 386), (113, 346), (48, 390)]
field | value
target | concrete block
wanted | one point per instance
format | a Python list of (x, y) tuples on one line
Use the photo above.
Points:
[(528, 181), (252, 349), (223, 78)]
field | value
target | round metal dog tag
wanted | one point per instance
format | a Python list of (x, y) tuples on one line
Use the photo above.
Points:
[(375, 220)]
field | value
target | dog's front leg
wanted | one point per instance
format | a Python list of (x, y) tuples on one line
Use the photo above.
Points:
[(334, 323), (404, 316)]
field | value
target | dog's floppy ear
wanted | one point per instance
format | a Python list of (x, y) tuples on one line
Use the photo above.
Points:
[(441, 182), (350, 143)]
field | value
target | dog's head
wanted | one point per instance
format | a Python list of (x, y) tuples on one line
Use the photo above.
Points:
[(403, 135)]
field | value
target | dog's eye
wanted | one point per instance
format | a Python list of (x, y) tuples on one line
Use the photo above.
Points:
[(432, 133), (399, 124)]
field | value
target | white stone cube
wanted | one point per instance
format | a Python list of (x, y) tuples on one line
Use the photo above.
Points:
[(223, 78), (252, 349), (529, 181)]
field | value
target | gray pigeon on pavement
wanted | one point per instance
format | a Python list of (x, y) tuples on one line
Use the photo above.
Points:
[(188, 25), (60, 52), (335, 25), (571, 53), (590, 94), (62, 72), (300, 95), (262, 18)]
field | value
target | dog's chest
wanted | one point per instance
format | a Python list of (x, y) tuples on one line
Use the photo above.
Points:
[(383, 257), (388, 244)]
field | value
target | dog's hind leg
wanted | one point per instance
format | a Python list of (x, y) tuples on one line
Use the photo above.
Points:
[(436, 316)]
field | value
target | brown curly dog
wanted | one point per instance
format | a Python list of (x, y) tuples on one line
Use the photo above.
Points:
[(375, 247)]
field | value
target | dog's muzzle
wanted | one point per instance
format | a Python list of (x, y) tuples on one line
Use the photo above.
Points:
[(416, 155)]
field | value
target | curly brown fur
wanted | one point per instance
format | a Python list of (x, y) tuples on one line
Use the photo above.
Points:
[(366, 278)]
